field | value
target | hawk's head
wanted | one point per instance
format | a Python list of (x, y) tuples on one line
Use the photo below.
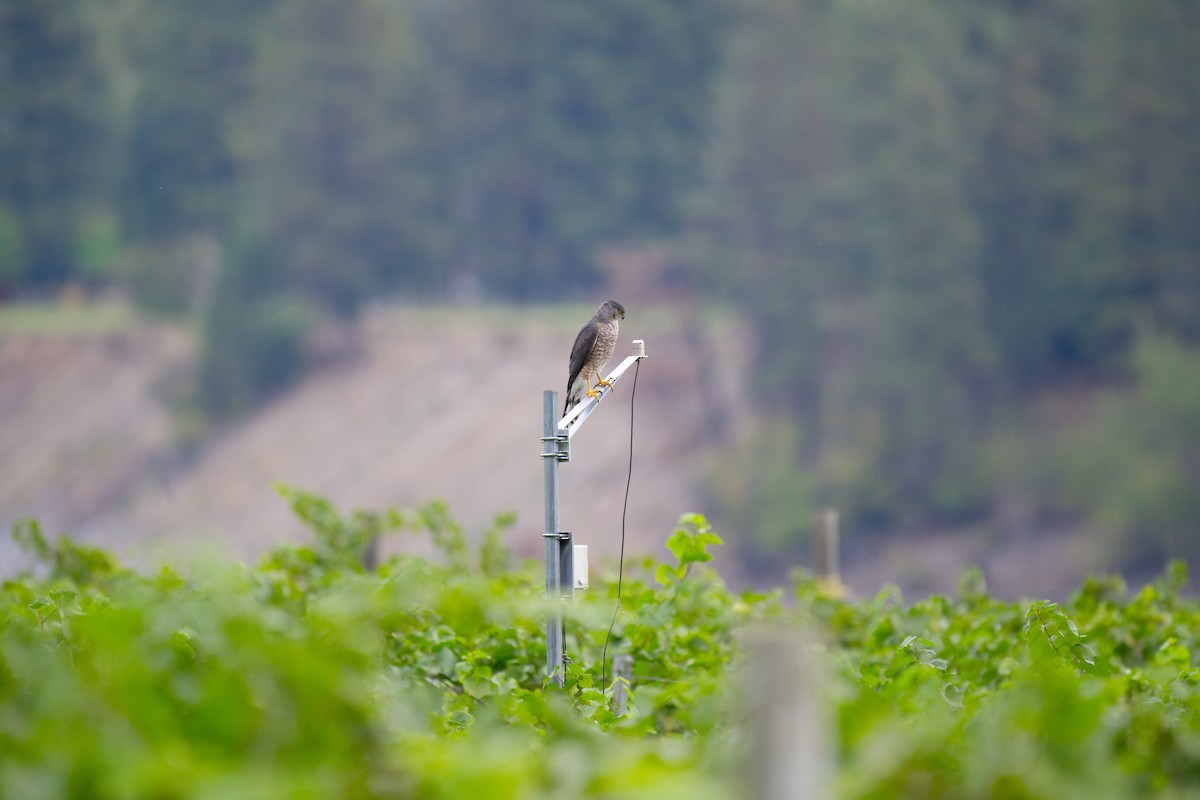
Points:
[(610, 311)]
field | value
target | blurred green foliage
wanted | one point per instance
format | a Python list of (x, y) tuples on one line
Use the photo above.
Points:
[(568, 126), (12, 257), (310, 676), (1136, 467), (98, 249), (29, 319), (254, 350), (58, 132), (935, 215), (759, 484)]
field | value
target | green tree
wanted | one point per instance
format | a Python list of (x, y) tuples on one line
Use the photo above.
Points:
[(1135, 472), (182, 171), (568, 124), (12, 256), (252, 336), (837, 212), (195, 63), (928, 365), (1083, 186), (1058, 293), (343, 189), (772, 98), (1157, 98), (55, 130)]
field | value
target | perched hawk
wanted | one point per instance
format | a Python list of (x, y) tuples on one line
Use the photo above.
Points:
[(593, 347)]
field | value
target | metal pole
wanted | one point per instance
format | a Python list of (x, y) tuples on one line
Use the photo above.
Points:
[(550, 454), (560, 563)]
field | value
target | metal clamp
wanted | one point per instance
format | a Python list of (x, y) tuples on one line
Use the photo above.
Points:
[(560, 564), (562, 448)]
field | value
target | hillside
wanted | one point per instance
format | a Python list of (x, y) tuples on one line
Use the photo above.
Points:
[(427, 403), (417, 404)]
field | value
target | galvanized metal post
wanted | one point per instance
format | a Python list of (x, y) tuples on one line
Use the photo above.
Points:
[(551, 454), (560, 561)]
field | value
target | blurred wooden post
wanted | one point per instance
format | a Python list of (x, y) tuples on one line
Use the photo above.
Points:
[(622, 680), (826, 550), (370, 551), (370, 555), (789, 754)]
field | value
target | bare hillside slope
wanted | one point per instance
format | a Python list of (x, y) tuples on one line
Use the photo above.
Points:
[(436, 403)]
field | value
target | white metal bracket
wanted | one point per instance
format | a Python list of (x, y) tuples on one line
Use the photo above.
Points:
[(574, 418)]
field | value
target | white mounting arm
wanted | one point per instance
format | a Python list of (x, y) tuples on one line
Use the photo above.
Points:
[(582, 410)]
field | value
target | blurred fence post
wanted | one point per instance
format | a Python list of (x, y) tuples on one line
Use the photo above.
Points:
[(789, 755), (622, 681), (826, 549), (370, 551), (370, 554)]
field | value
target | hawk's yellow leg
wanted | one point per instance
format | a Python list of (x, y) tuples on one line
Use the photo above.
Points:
[(600, 384)]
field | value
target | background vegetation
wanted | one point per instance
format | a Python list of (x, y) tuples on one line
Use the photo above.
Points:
[(933, 218)]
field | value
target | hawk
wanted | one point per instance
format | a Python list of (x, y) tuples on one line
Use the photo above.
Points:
[(593, 347)]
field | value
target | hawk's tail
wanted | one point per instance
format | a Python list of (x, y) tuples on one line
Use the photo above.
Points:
[(573, 399)]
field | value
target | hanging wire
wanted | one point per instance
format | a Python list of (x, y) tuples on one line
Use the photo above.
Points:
[(621, 558)]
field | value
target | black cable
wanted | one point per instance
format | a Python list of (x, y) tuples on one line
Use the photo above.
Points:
[(621, 559)]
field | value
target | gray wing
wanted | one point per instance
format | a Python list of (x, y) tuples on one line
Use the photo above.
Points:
[(584, 343)]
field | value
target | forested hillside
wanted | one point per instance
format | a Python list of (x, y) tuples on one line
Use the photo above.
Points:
[(967, 238), (941, 215)]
